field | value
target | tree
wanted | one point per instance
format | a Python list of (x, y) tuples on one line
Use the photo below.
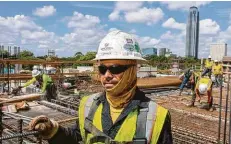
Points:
[(26, 54), (88, 56), (78, 54), (4, 54)]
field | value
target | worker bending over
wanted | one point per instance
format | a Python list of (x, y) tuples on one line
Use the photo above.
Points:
[(44, 82), (122, 113), (217, 72), (208, 67), (204, 86)]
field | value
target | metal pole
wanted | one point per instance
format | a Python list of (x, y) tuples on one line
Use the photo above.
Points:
[(229, 117), (219, 127), (8, 76), (1, 128), (226, 109)]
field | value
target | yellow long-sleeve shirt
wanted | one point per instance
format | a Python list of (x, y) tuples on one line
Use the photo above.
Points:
[(46, 80), (217, 69), (208, 64)]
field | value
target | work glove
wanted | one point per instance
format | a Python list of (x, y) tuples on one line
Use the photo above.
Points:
[(47, 128)]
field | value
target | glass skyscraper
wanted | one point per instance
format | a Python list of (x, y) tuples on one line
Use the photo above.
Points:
[(192, 33)]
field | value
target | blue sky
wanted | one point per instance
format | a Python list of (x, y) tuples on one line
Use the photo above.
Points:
[(69, 27)]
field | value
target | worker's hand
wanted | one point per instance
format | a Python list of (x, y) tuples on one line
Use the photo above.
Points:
[(47, 128)]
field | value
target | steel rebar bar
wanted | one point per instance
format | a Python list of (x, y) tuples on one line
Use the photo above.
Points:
[(226, 109), (19, 135), (20, 123), (219, 126), (1, 128)]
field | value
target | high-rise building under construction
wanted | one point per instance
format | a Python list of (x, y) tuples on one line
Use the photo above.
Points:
[(192, 33)]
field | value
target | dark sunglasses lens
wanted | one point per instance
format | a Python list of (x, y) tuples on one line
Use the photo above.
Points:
[(117, 69), (102, 69)]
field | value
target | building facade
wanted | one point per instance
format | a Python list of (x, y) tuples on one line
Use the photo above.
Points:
[(162, 51), (218, 51), (149, 51), (192, 33)]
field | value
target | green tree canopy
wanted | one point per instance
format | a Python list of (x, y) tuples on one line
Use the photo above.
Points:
[(26, 53)]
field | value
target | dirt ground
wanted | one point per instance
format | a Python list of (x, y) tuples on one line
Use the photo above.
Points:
[(199, 121)]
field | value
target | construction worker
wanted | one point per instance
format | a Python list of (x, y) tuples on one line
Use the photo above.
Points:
[(185, 77), (217, 72), (204, 86), (191, 77), (208, 67), (120, 114), (44, 82)]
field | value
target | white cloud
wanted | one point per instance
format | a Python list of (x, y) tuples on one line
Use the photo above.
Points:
[(123, 6), (45, 11), (208, 26), (87, 31), (115, 15), (78, 20), (133, 31), (225, 35), (22, 30), (147, 41), (133, 12), (171, 23), (112, 29), (36, 35), (184, 5), (167, 35), (128, 5), (18, 23), (144, 15)]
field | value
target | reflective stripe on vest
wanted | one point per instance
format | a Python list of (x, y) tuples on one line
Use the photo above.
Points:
[(155, 119), (84, 108)]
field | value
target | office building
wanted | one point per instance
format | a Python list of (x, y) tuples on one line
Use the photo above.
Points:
[(162, 51), (218, 51), (192, 33), (149, 51)]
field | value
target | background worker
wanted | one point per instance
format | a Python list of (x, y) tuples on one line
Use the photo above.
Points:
[(189, 76), (204, 86), (44, 82), (185, 77), (122, 113), (208, 67), (217, 72)]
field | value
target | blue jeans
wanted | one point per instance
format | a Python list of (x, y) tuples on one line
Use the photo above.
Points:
[(218, 80), (184, 82), (207, 70)]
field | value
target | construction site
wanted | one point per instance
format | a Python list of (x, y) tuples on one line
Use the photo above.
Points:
[(189, 124)]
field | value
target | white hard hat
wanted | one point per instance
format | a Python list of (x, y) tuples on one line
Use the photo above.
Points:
[(35, 67), (215, 60), (202, 88), (119, 45), (35, 73), (209, 57)]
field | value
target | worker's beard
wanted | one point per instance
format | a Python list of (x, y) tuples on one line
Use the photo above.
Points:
[(121, 94)]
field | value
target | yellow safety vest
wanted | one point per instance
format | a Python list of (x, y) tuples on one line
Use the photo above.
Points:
[(206, 81), (154, 124), (208, 64), (217, 69)]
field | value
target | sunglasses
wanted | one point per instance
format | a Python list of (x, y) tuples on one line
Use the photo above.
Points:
[(114, 69)]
